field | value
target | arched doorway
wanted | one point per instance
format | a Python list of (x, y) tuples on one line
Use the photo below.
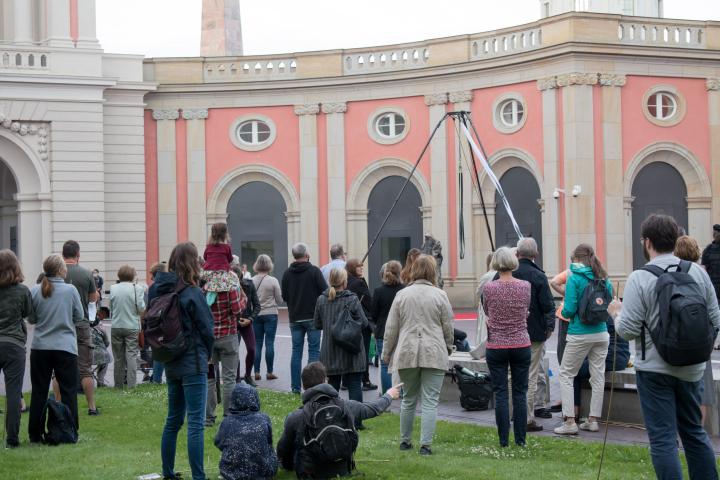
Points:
[(658, 188), (257, 224), (403, 230), (523, 193), (8, 209)]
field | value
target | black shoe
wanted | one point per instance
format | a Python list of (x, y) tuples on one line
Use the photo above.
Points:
[(93, 412), (360, 427), (369, 386), (425, 450), (343, 387), (543, 412), (175, 476), (12, 444), (249, 380), (405, 446), (556, 408), (534, 427)]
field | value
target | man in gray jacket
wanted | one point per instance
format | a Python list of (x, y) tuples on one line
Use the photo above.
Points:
[(669, 395)]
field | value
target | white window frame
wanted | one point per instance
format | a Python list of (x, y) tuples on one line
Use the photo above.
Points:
[(256, 145), (498, 116), (373, 126), (678, 101), (658, 96)]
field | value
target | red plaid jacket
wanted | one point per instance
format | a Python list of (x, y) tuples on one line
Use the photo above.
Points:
[(226, 309)]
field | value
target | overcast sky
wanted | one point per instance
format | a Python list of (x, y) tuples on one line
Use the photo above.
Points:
[(171, 28)]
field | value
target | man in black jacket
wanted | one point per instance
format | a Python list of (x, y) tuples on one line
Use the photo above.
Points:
[(301, 285), (314, 380), (540, 322)]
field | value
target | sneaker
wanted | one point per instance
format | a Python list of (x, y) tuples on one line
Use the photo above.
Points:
[(425, 450), (543, 413), (93, 412), (589, 426), (405, 446), (248, 379), (557, 408), (567, 429), (271, 376), (258, 376), (534, 427), (369, 386)]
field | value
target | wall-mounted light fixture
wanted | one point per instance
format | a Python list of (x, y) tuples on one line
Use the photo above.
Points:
[(575, 192)]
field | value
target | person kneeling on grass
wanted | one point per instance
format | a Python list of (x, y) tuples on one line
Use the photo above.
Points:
[(319, 439), (245, 439)]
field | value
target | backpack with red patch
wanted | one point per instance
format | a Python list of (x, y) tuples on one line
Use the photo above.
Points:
[(164, 326)]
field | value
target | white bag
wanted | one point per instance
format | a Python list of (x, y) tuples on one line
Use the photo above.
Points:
[(482, 334)]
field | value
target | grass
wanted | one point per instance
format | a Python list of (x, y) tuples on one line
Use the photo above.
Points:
[(124, 442)]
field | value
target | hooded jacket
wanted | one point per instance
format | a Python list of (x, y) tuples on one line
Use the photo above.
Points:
[(292, 436), (581, 276), (245, 438), (302, 284), (541, 319), (197, 324)]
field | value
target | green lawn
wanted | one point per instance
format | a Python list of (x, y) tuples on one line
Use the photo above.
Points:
[(125, 442)]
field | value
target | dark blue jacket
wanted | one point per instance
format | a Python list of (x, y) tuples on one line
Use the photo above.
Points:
[(197, 323), (245, 438)]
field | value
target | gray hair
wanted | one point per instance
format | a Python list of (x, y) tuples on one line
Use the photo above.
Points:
[(336, 251), (527, 248), (235, 260), (504, 260), (263, 264), (299, 250)]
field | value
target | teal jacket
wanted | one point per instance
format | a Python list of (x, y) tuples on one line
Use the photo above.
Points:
[(574, 289)]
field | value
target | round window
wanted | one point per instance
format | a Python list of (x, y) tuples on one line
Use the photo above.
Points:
[(662, 105), (511, 113), (253, 132), (390, 125)]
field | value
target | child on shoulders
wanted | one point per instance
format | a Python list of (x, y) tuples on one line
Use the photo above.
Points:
[(218, 256)]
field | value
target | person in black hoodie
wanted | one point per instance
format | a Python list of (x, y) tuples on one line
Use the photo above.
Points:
[(301, 285), (245, 439), (382, 300), (290, 447), (187, 374), (357, 284), (245, 328)]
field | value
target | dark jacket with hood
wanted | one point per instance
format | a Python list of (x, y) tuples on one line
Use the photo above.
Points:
[(382, 300), (359, 286), (302, 284), (336, 359), (197, 324), (252, 307), (711, 261), (292, 437), (245, 438)]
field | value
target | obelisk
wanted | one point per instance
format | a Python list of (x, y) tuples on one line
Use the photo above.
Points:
[(221, 29)]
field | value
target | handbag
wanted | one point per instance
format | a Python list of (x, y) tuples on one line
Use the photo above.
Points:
[(347, 332)]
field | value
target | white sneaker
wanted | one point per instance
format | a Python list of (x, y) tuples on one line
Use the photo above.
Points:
[(589, 426), (567, 429)]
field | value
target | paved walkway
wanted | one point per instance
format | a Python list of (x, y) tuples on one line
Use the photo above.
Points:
[(447, 410)]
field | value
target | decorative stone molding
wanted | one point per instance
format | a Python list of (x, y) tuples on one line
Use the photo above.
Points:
[(713, 84), (166, 114), (547, 83), (436, 99), (699, 203), (39, 129), (569, 79), (307, 109), (338, 107), (461, 97), (194, 113), (612, 80)]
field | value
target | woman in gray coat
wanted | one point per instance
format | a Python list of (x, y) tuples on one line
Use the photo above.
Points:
[(339, 362)]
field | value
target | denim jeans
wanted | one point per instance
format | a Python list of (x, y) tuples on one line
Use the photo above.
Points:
[(353, 382), (158, 368), (498, 361), (185, 395), (670, 407), (385, 377), (297, 331), (265, 327)]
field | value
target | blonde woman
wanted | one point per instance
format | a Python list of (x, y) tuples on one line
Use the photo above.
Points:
[(338, 362), (418, 340), (265, 324)]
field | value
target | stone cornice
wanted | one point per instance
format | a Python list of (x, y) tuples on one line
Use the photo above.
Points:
[(166, 114), (713, 84), (612, 80), (461, 97), (23, 129), (194, 113), (436, 99), (337, 107), (307, 109), (569, 79), (547, 83)]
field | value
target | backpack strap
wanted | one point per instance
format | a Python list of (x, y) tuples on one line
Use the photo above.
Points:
[(684, 266), (654, 269), (657, 271)]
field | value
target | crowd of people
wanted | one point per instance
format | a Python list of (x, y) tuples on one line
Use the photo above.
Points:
[(213, 304)]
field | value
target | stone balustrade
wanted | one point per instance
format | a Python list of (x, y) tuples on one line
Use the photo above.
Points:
[(356, 62), (662, 33), (504, 43), (250, 69), (23, 59)]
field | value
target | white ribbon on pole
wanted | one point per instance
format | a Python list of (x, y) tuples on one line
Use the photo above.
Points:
[(493, 178)]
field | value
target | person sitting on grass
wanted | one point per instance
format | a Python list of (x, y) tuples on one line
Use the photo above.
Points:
[(245, 439), (322, 446)]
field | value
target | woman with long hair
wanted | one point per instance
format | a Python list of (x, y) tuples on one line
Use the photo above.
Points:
[(357, 284), (187, 374), (127, 302), (412, 255), (54, 348), (15, 306), (265, 325), (418, 341), (341, 365), (585, 338), (382, 300)]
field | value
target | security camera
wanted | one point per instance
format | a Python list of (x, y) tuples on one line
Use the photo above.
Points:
[(556, 193), (577, 190)]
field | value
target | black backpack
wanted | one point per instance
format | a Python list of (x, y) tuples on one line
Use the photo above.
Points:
[(475, 388), (596, 298), (60, 424), (329, 439), (164, 327), (684, 334), (347, 332)]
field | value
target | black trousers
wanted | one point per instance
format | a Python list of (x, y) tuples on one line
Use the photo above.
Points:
[(42, 364), (12, 364), (367, 336)]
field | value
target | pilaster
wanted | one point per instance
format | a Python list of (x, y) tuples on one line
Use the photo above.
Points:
[(337, 223), (167, 180), (87, 35), (307, 120), (713, 88), (197, 205), (551, 216), (23, 22), (438, 173), (58, 23)]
